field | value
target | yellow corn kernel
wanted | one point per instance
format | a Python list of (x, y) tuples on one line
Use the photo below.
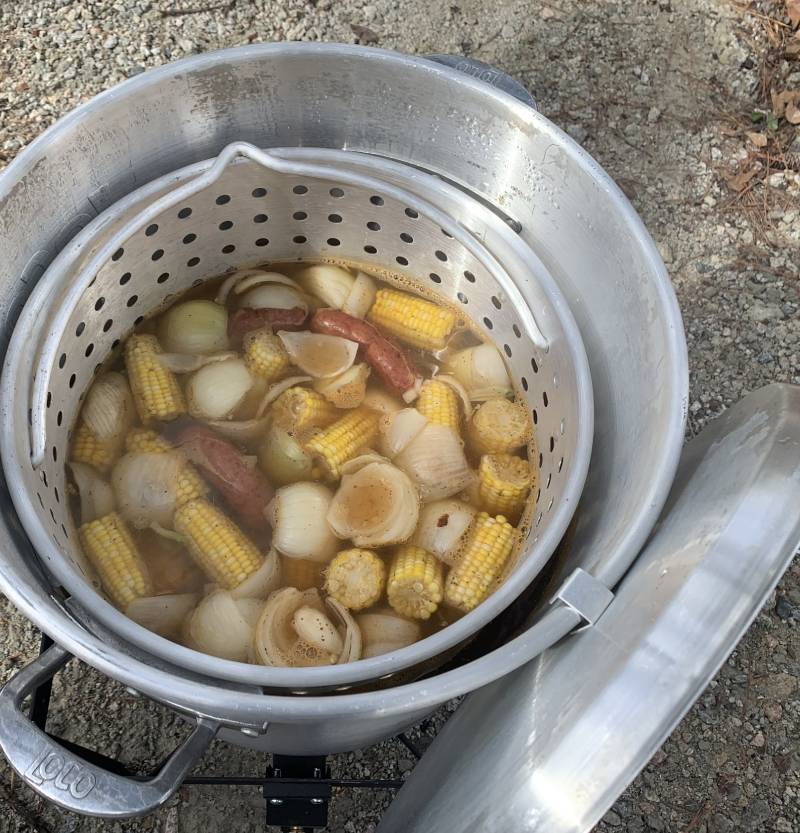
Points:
[(503, 484), (225, 554), (300, 409), (439, 404), (265, 355), (487, 550), (498, 426), (110, 548), (343, 440), (190, 484), (300, 573), (356, 578), (156, 391), (413, 320), (88, 448), (414, 586)]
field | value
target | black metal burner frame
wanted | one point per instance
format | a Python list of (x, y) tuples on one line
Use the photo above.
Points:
[(297, 788)]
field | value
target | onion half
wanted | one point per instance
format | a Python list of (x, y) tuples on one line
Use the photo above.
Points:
[(318, 355), (163, 615), (482, 372), (435, 461), (398, 429), (297, 514), (215, 391), (442, 528), (194, 327), (383, 631), (97, 498), (145, 485), (296, 630), (331, 284), (282, 458), (375, 506), (361, 296), (109, 410), (221, 626)]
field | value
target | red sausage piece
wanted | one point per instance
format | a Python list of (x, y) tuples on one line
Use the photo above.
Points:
[(246, 319)]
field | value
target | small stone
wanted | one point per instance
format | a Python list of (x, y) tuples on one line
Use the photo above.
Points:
[(665, 251), (756, 814), (653, 115), (783, 825), (187, 45), (709, 201), (758, 740), (578, 133), (785, 609), (762, 312), (406, 765), (110, 42), (720, 824), (612, 819), (773, 711)]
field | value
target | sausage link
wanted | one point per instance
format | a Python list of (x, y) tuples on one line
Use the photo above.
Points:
[(383, 356)]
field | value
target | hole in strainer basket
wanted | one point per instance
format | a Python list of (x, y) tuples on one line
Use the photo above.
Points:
[(108, 325), (72, 380), (189, 238), (373, 226), (89, 350), (184, 213), (79, 329), (402, 260), (411, 213), (98, 304), (123, 279), (157, 254), (507, 350), (544, 398), (300, 189), (225, 225), (440, 255), (376, 200), (334, 218), (259, 192), (298, 215), (336, 192), (62, 360), (262, 241), (462, 297), (370, 250), (151, 229), (260, 218), (334, 241), (132, 300), (488, 322), (226, 250), (164, 276), (406, 238), (434, 277), (223, 199), (469, 276), (524, 383), (193, 261), (299, 238), (118, 254)]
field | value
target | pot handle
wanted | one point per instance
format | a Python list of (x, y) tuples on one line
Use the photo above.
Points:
[(68, 780), (488, 74)]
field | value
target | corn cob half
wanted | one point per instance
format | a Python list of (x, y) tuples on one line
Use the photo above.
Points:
[(356, 578), (265, 355), (110, 548), (498, 426), (88, 448), (343, 440), (225, 554), (439, 404), (413, 320), (503, 484), (487, 550), (190, 484), (415, 584), (156, 391), (301, 409)]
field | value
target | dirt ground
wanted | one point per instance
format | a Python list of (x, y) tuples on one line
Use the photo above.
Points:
[(692, 106)]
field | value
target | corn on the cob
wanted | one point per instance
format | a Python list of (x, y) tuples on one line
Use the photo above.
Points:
[(439, 404), (300, 409), (300, 573), (503, 484), (344, 439), (88, 448), (265, 355), (415, 584), (225, 554), (487, 550), (356, 578), (411, 319), (156, 391), (110, 548), (498, 427), (190, 484)]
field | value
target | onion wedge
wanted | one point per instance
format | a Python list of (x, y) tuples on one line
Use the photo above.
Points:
[(97, 498), (320, 356), (347, 389), (435, 461), (163, 615), (109, 411), (189, 363), (297, 514), (361, 296), (399, 429), (442, 528)]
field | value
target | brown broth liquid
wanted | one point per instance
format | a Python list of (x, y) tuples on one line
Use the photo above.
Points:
[(171, 568)]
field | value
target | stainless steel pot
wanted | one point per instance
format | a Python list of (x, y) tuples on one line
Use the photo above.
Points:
[(585, 232)]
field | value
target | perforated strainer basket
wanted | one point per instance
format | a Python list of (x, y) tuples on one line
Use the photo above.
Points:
[(249, 207)]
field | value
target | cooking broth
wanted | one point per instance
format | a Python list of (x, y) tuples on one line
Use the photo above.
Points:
[(302, 464)]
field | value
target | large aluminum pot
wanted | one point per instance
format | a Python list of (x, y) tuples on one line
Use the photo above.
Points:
[(422, 114)]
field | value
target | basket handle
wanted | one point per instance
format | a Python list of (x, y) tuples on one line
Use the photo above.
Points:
[(48, 349), (68, 780), (488, 74)]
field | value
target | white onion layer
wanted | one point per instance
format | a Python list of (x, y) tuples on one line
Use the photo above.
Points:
[(298, 517)]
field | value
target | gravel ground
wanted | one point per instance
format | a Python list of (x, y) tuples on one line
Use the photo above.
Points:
[(656, 91)]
